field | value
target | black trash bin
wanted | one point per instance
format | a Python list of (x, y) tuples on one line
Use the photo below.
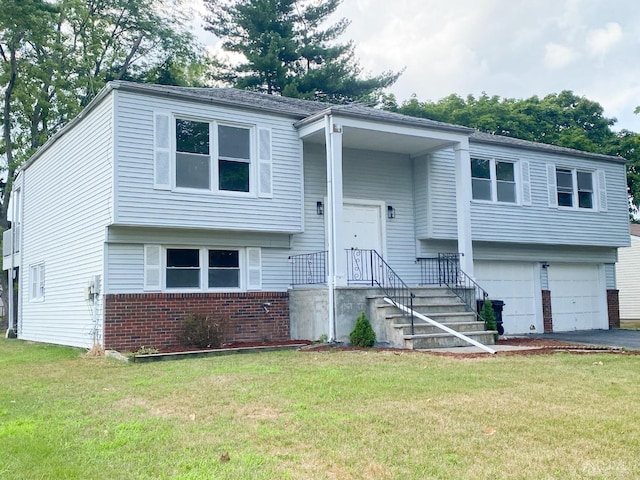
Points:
[(497, 305)]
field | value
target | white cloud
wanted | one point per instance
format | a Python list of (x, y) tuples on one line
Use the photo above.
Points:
[(511, 48), (558, 56), (602, 40)]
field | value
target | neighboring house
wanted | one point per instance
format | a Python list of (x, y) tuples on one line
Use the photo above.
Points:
[(159, 202), (628, 276)]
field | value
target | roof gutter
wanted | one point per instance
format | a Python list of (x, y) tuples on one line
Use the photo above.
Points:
[(340, 111)]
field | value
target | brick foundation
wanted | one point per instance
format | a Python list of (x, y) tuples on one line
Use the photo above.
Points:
[(613, 308), (547, 319), (154, 319)]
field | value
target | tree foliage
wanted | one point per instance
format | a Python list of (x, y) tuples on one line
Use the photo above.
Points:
[(281, 47), (564, 119), (55, 55)]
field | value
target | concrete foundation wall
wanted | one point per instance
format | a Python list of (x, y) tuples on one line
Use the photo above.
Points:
[(309, 312)]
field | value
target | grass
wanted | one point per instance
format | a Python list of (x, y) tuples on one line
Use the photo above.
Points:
[(313, 415), (630, 324)]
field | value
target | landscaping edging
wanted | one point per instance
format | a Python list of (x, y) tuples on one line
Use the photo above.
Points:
[(158, 357)]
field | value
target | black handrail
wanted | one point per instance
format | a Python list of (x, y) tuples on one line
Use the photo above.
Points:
[(367, 267), (309, 268), (445, 270)]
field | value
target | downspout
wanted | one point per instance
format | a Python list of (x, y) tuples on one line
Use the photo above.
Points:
[(11, 327), (331, 253)]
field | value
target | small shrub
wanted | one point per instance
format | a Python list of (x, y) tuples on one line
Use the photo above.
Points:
[(323, 338), (202, 331), (146, 351), (362, 334), (489, 316)]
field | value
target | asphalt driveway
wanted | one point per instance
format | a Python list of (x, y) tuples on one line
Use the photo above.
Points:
[(612, 338)]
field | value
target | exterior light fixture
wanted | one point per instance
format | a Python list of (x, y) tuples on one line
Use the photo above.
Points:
[(391, 212), (319, 208), (545, 265)]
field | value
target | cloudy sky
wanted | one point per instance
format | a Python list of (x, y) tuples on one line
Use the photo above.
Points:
[(509, 48)]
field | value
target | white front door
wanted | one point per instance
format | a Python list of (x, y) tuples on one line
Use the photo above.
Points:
[(362, 227)]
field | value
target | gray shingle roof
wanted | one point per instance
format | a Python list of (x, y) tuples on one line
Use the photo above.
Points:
[(481, 137), (303, 110), (306, 111)]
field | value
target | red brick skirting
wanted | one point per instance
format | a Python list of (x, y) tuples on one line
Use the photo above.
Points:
[(154, 319), (613, 308), (547, 319)]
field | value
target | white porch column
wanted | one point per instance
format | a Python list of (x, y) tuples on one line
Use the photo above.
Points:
[(335, 202), (463, 205), (335, 248)]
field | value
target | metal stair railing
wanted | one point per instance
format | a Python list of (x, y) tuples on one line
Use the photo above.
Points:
[(309, 268), (445, 270), (367, 267)]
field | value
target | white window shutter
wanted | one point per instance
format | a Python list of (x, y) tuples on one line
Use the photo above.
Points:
[(152, 267), (265, 173), (602, 190), (552, 189), (162, 151), (526, 183), (254, 269)]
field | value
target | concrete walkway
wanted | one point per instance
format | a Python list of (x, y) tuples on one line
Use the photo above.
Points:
[(611, 338)]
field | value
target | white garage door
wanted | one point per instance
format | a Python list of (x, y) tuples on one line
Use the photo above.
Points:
[(578, 297), (514, 283)]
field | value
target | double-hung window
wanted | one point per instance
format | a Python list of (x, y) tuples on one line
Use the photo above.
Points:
[(184, 268), (574, 188), (209, 156), (197, 142), (224, 269), (493, 180), (193, 154), (234, 158), (36, 282)]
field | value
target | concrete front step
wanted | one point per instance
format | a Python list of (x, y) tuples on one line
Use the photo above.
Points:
[(441, 299), (421, 328), (446, 340), (444, 317)]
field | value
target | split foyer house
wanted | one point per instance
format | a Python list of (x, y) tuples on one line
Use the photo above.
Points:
[(286, 215)]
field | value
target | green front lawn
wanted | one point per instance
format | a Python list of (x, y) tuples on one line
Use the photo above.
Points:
[(312, 415)]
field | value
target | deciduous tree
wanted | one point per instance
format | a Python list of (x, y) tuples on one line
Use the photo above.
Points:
[(564, 119), (55, 55)]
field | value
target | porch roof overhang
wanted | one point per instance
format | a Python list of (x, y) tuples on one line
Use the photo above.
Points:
[(370, 129)]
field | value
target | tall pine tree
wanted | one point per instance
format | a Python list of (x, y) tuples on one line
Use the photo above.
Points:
[(281, 47)]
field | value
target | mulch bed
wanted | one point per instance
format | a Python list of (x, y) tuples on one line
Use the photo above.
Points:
[(536, 346)]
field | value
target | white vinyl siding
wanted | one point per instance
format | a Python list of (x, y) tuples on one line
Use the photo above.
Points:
[(628, 280), (537, 223), (370, 177), (64, 228), (274, 204)]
